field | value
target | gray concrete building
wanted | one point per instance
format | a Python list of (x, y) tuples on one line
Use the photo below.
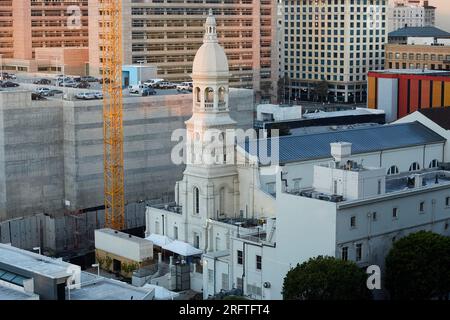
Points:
[(51, 161)]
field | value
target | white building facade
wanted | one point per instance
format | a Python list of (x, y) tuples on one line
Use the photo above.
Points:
[(411, 14)]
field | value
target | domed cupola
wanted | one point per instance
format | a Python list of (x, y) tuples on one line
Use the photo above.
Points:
[(210, 73)]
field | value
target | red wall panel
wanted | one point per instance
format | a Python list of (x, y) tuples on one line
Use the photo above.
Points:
[(425, 94), (414, 96), (403, 98)]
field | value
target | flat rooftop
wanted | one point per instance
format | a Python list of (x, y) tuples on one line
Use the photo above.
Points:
[(123, 235), (424, 72), (108, 289), (33, 262), (11, 294), (405, 181)]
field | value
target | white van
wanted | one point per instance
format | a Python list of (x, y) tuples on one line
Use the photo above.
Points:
[(136, 88)]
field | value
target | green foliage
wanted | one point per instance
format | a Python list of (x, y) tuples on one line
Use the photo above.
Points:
[(108, 262), (100, 260), (129, 267), (418, 267), (326, 278)]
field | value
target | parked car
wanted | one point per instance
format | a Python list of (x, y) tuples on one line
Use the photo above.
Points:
[(42, 81), (8, 76), (148, 91), (185, 86), (43, 91), (166, 85), (60, 78), (9, 84), (37, 96), (67, 83), (82, 84), (98, 95), (52, 92), (85, 96), (153, 82), (76, 79), (89, 79)]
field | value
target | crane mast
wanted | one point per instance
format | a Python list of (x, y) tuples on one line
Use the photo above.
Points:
[(111, 47)]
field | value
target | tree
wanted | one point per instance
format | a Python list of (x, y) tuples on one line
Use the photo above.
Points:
[(321, 91), (283, 85), (326, 278), (418, 267)]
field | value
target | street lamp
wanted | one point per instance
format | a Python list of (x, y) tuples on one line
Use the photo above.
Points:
[(38, 249), (98, 268)]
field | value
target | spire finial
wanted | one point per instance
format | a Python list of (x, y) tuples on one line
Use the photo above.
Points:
[(210, 28)]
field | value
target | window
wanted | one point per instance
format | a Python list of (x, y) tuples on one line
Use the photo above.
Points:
[(240, 258), (196, 240), (395, 213), (271, 187), (210, 275), (239, 283), (393, 170), (434, 164), (344, 253), (358, 252), (414, 167), (422, 207), (222, 201), (258, 263), (374, 216), (379, 186), (196, 201), (447, 202), (157, 227), (353, 222), (225, 285), (175, 232)]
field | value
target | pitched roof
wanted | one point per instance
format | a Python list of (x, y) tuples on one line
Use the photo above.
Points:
[(440, 116), (419, 32), (364, 140)]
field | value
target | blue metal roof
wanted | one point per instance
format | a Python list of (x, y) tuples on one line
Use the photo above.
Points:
[(419, 32), (364, 140)]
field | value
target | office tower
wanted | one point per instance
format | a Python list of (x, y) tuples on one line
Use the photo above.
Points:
[(38, 35), (167, 34), (332, 44), (411, 13)]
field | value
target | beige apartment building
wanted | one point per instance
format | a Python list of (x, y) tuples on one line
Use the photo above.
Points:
[(168, 33), (403, 56), (38, 35)]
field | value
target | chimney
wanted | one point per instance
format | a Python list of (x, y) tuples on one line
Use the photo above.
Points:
[(341, 151)]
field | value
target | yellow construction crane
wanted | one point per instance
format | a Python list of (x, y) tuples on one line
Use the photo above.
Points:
[(111, 11)]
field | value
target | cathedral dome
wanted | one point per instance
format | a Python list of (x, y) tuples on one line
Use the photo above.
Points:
[(210, 58)]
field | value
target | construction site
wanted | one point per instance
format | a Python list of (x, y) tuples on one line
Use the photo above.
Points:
[(51, 164)]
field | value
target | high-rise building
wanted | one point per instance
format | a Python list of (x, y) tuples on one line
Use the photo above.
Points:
[(332, 42), (168, 34), (411, 13), (32, 30)]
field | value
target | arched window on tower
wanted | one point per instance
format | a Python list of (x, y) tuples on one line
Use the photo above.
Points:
[(196, 200), (209, 95), (197, 94), (222, 92)]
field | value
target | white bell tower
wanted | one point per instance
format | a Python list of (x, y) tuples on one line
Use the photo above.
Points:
[(210, 187)]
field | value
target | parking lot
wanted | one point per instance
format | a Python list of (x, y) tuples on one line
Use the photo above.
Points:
[(26, 82)]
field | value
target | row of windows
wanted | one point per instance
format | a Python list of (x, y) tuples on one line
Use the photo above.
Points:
[(395, 212), (240, 260), (419, 56), (415, 166)]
